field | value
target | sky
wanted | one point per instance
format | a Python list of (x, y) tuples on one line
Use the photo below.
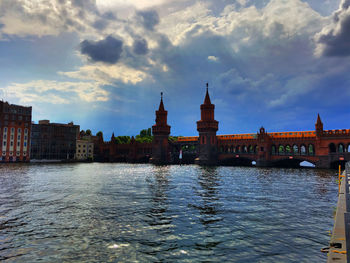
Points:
[(103, 63)]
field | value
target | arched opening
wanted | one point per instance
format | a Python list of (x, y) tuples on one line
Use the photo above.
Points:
[(256, 149), (348, 148), (244, 149), (222, 149), (232, 149), (288, 149), (281, 150), (273, 149), (237, 149), (311, 149), (295, 149), (226, 149), (306, 164), (250, 149), (303, 149), (341, 148), (332, 148)]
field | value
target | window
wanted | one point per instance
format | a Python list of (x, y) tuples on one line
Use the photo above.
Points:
[(18, 144), (19, 130), (18, 137), (11, 137), (25, 137), (4, 144), (25, 131), (11, 144), (12, 130), (25, 144)]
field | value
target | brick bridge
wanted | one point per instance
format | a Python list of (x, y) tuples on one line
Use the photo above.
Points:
[(323, 148)]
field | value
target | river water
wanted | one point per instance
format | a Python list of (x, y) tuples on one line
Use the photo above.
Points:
[(143, 213)]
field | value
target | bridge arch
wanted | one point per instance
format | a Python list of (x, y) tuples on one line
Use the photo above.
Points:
[(237, 161), (332, 148), (291, 162), (250, 149), (288, 149), (295, 149), (237, 149), (311, 149), (280, 149), (273, 149)]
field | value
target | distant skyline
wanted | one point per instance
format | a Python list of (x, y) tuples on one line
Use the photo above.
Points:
[(103, 63)]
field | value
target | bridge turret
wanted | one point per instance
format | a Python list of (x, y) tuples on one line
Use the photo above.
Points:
[(319, 126), (207, 128), (160, 131)]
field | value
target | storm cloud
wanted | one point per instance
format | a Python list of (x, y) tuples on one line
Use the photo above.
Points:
[(334, 39), (140, 47), (149, 18), (107, 50)]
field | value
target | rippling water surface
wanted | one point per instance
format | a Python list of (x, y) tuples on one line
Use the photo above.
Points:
[(143, 213)]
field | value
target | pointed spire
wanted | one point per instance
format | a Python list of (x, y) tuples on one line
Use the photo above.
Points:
[(207, 98), (318, 118), (161, 105)]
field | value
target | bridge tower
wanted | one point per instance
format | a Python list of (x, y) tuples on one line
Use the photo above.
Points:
[(264, 146), (160, 131), (207, 128), (319, 126)]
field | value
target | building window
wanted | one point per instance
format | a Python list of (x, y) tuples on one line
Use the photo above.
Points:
[(11, 137), (6, 116), (18, 144), (11, 144), (12, 130), (25, 131), (20, 117), (4, 144), (3, 153), (5, 130), (19, 130), (25, 144), (25, 137), (18, 137)]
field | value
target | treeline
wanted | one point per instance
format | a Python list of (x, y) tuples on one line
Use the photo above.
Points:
[(144, 137)]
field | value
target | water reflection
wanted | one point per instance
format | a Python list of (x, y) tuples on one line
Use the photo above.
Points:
[(145, 213)]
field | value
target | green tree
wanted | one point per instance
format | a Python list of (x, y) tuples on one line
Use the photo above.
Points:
[(88, 132)]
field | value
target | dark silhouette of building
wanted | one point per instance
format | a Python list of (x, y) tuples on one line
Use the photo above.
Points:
[(207, 128), (53, 141), (160, 131), (15, 128)]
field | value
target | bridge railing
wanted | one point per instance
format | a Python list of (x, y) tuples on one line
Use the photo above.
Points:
[(347, 212)]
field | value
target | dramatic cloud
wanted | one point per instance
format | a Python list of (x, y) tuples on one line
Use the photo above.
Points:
[(149, 18), (107, 50), (334, 39), (140, 47), (56, 92)]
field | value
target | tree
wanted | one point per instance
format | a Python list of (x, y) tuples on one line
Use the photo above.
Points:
[(88, 132), (99, 134)]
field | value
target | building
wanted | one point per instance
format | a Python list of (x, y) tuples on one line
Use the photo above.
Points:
[(160, 131), (15, 128), (54, 141), (85, 149), (323, 148)]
